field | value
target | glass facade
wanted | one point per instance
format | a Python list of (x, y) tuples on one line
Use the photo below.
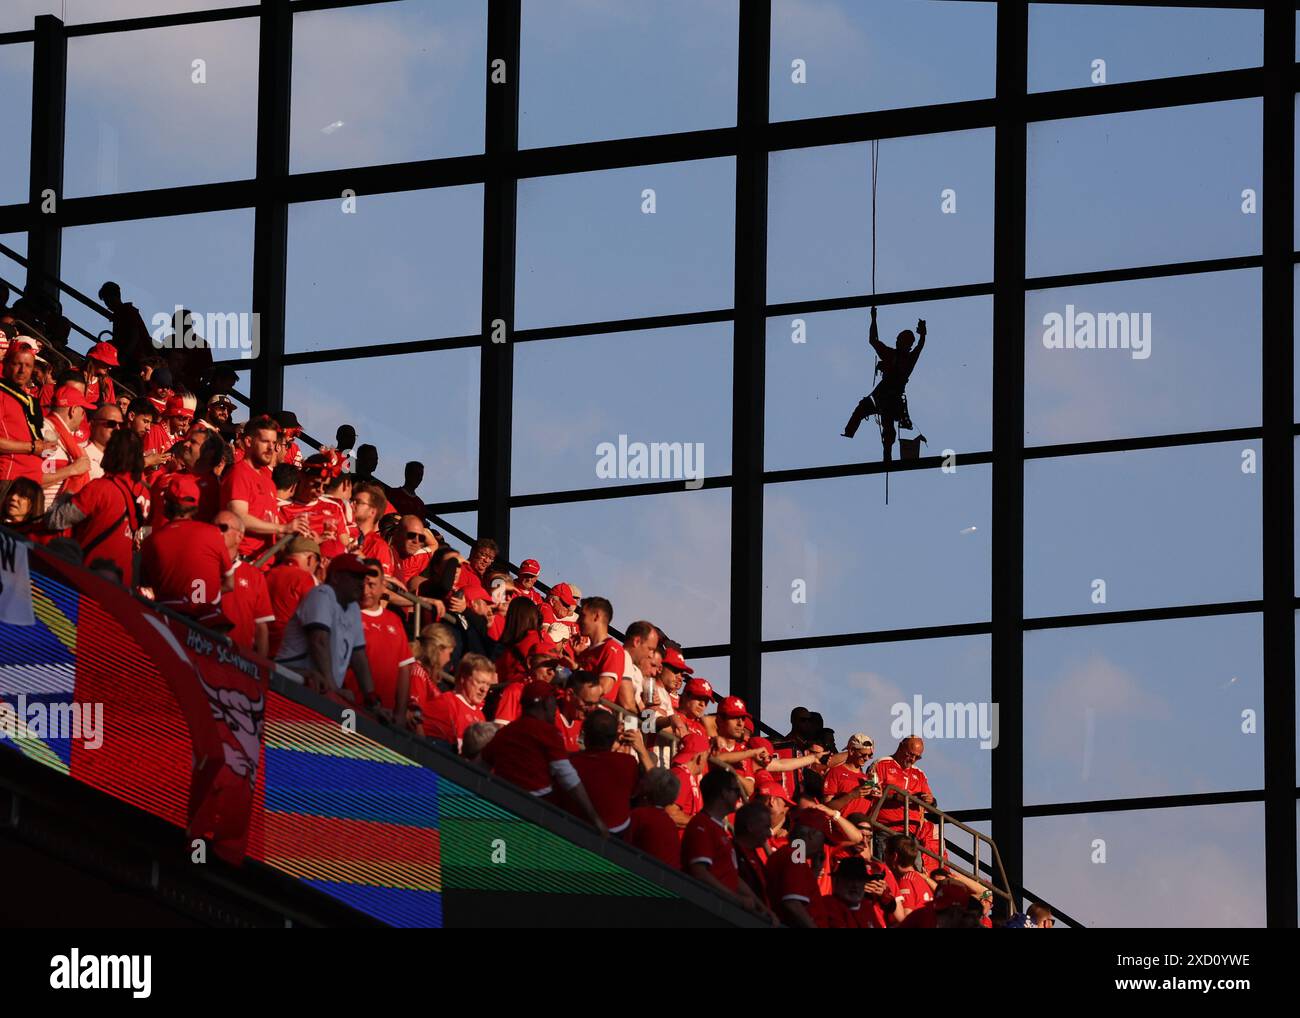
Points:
[(618, 306)]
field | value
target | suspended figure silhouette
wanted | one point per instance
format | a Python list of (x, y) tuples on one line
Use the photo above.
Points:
[(888, 400)]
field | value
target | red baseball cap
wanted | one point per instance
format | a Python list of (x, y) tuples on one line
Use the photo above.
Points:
[(691, 746), (349, 563), (814, 819), (105, 353), (758, 742), (698, 688), (749, 724), (70, 396), (537, 691), (950, 894), (674, 660), (176, 407), (731, 707), (529, 567), (183, 489), (565, 593), (765, 784)]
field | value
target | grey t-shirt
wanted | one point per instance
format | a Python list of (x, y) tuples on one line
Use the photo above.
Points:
[(320, 607)]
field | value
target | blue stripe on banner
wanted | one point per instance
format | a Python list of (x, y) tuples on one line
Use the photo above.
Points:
[(324, 785), (40, 720), (393, 905)]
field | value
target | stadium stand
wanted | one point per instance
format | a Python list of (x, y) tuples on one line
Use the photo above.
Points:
[(397, 725)]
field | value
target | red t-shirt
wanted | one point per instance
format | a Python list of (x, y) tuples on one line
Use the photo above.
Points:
[(788, 880), (832, 914), (570, 732), (323, 516), (695, 725), (103, 501), (373, 545), (244, 483), (287, 584), (411, 566), (610, 780), (512, 665), (510, 703), (523, 752), (911, 779), (387, 650), (706, 841), (185, 561), (247, 605), (689, 800), (13, 426), (605, 658), (652, 830), (913, 891), (448, 716), (842, 778)]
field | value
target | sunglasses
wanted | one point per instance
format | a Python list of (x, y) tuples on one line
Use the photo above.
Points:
[(414, 535), (224, 527)]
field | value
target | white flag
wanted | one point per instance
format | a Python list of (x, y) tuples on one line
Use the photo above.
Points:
[(15, 583)]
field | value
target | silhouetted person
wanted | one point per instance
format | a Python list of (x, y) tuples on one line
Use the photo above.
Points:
[(130, 334), (190, 357), (888, 398), (404, 499), (345, 438), (4, 297), (367, 462)]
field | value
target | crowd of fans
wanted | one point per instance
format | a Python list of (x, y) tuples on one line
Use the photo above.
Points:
[(310, 561)]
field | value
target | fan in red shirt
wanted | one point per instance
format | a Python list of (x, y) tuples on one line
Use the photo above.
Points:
[(248, 604), (198, 458), (21, 420), (901, 771), (368, 502), (104, 515), (287, 450), (950, 899), (915, 889), (845, 908), (604, 655), (752, 827), (559, 608), (323, 518), (288, 583), (101, 358), (695, 698), (248, 491), (387, 650), (482, 554), (792, 871), (708, 852), (451, 713), (580, 698), (530, 754), (186, 560), (521, 637), (650, 828), (414, 545), (610, 778), (689, 763), (529, 571)]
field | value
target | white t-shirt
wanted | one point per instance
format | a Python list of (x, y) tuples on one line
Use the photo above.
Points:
[(96, 455), (320, 607)]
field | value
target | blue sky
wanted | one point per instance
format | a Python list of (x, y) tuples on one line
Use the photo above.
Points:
[(1110, 711)]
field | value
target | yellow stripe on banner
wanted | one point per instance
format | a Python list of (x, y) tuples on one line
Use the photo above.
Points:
[(55, 621), (398, 874), (27, 744), (329, 739)]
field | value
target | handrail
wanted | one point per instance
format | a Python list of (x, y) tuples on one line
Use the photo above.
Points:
[(1021, 891), (896, 792), (69, 290)]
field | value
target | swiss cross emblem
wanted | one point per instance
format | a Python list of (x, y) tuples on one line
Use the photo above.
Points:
[(243, 582)]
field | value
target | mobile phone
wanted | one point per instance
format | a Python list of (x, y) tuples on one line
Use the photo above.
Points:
[(629, 723)]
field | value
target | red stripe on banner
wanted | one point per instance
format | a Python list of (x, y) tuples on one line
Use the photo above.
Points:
[(355, 841)]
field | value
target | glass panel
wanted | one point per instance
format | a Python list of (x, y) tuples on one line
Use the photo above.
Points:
[(386, 399), (665, 558), (161, 108), (1155, 866), (416, 256), (15, 121), (854, 57), (716, 669), (388, 83), (629, 243), (934, 206), (1121, 711), (1141, 188), (589, 72), (1180, 353), (19, 15), (81, 12), (818, 370), (465, 522), (680, 429), (1142, 529), (836, 559), (880, 689), (214, 277), (10, 269), (1136, 43)]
